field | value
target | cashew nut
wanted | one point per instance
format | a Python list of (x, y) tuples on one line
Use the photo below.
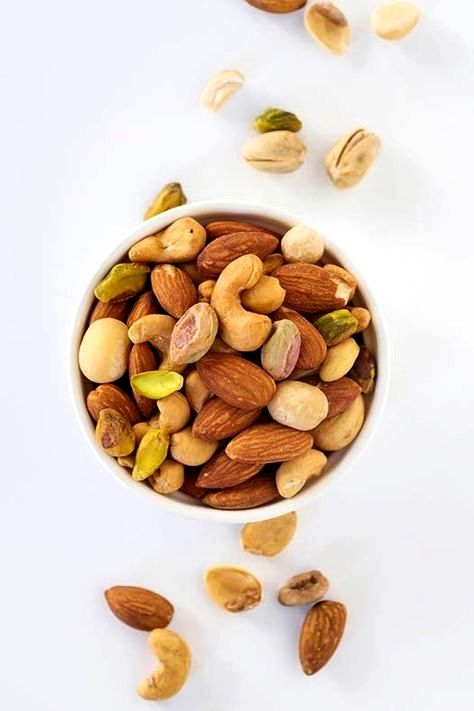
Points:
[(174, 413), (190, 450), (240, 329), (291, 476), (205, 289), (157, 329), (220, 88), (266, 296), (169, 477), (180, 242), (196, 392), (175, 661)]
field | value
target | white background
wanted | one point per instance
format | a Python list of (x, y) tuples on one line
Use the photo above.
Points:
[(100, 108)]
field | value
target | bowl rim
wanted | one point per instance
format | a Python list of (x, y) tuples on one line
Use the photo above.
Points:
[(244, 210)]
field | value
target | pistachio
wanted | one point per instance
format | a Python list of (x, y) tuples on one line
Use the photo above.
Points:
[(339, 360), (169, 477), (171, 195), (220, 88), (114, 433), (280, 353), (277, 120), (157, 383), (304, 589), (339, 431), (362, 316), (151, 453), (269, 537), (122, 282), (327, 24), (275, 152), (394, 20), (233, 589), (302, 244), (363, 370), (193, 334), (336, 326), (351, 157)]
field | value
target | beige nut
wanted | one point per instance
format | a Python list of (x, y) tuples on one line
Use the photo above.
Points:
[(219, 346), (169, 477), (240, 329), (362, 317), (291, 476), (272, 262), (191, 269), (341, 430), (180, 242), (302, 244), (196, 391), (266, 296), (304, 589), (174, 413), (298, 405), (156, 329), (327, 24), (339, 360), (350, 158), (128, 462), (114, 433), (269, 537), (220, 88), (395, 20), (104, 350), (175, 662), (233, 589), (190, 450), (275, 152), (140, 430), (205, 289), (344, 279)]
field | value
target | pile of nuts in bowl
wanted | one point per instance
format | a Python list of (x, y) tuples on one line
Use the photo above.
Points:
[(224, 361)]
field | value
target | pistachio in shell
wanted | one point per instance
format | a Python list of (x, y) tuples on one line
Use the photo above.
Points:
[(193, 334), (114, 433), (151, 453), (351, 157), (336, 326), (171, 195), (277, 120), (281, 352), (275, 152), (122, 282), (328, 25)]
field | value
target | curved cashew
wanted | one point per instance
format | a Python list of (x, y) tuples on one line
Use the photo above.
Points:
[(169, 477), (175, 658), (266, 296), (174, 413), (240, 329), (292, 476), (180, 242), (196, 392), (157, 329), (190, 450)]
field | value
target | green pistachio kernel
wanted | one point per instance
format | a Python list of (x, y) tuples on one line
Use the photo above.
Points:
[(156, 384), (171, 195), (277, 120), (151, 453), (336, 326), (122, 282)]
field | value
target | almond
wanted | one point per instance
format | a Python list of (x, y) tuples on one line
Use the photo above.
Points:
[(313, 346), (311, 288), (279, 6), (138, 607), (255, 492), (142, 359), (320, 634), (220, 472), (173, 288), (118, 310), (223, 250), (219, 420), (236, 380), (143, 306), (219, 228), (339, 394), (111, 396), (190, 488), (270, 442)]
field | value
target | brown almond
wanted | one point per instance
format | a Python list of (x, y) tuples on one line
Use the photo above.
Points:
[(258, 491), (339, 394), (139, 608), (143, 306), (313, 346), (190, 487), (236, 380), (219, 420), (220, 472), (320, 634), (173, 288), (223, 250), (363, 370), (311, 288), (118, 310), (111, 396), (142, 358), (279, 6), (219, 228), (270, 442)]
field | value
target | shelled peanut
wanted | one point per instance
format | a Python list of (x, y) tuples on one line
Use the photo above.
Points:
[(229, 348)]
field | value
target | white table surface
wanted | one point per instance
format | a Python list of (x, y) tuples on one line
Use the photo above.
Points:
[(100, 108)]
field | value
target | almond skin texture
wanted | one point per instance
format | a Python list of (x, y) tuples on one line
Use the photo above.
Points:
[(221, 472), (313, 346), (142, 359), (219, 228), (236, 380), (138, 607), (143, 306), (320, 634), (118, 310), (269, 443), (219, 420), (279, 6), (190, 487), (257, 491), (111, 396), (173, 288), (340, 393), (310, 288), (223, 250)]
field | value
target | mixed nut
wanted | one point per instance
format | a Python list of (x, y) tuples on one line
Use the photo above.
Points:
[(235, 394)]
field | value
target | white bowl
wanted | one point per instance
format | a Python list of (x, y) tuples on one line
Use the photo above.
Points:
[(339, 462)]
